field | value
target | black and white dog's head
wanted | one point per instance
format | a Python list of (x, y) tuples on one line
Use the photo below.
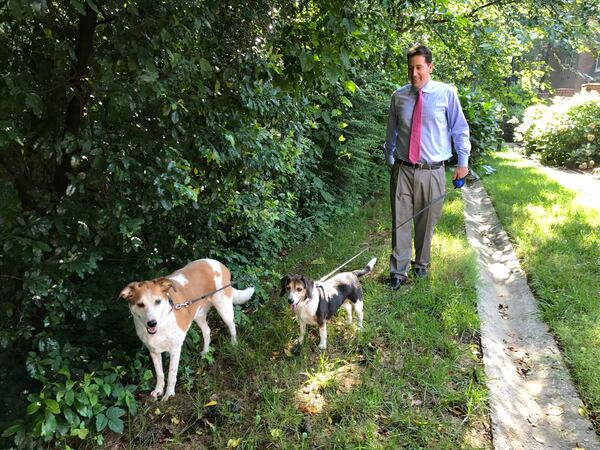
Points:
[(316, 302), (298, 289)]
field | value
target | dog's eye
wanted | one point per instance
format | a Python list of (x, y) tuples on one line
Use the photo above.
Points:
[(288, 289), (141, 305), (299, 289), (157, 301)]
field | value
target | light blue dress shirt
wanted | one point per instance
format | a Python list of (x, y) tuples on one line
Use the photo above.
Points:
[(443, 123)]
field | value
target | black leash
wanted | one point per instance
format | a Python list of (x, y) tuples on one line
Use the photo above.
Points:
[(437, 199), (197, 299), (458, 183)]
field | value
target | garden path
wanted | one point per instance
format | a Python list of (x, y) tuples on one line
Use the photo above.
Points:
[(585, 184), (533, 402)]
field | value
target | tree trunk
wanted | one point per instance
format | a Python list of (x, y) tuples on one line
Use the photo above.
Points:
[(75, 108)]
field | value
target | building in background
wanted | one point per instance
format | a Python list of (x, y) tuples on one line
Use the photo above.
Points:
[(572, 72)]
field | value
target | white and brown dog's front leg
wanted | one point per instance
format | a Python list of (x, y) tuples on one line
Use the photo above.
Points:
[(172, 377), (323, 335), (201, 321), (300, 338), (160, 375)]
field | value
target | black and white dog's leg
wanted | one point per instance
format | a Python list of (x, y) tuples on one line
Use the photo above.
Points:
[(348, 308), (358, 309), (300, 339), (323, 335)]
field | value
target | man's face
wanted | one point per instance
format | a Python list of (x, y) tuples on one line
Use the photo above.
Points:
[(419, 71)]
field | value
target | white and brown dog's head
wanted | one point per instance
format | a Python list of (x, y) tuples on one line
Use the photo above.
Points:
[(298, 289), (148, 301)]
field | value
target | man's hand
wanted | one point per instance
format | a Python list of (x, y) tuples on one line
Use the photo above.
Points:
[(460, 172)]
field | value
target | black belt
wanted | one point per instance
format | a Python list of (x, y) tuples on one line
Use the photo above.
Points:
[(436, 165)]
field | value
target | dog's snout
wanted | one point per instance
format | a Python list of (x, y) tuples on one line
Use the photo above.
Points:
[(290, 300), (151, 323)]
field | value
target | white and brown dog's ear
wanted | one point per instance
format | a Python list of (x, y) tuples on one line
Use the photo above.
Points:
[(164, 283), (284, 282), (128, 291)]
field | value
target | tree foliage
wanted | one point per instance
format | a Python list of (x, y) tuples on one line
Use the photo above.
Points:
[(137, 135)]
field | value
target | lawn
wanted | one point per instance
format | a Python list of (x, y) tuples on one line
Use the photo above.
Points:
[(557, 242), (413, 378)]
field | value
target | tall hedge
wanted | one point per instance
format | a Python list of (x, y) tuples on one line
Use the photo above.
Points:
[(137, 136)]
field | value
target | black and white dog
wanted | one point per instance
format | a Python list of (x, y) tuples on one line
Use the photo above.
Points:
[(315, 302)]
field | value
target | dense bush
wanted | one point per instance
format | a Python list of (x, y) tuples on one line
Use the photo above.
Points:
[(178, 141), (564, 133), (484, 115)]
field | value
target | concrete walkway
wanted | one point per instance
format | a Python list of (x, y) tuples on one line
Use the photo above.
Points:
[(532, 399), (584, 184)]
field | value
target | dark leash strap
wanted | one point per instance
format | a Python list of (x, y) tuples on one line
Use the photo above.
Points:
[(457, 185), (194, 300), (435, 200)]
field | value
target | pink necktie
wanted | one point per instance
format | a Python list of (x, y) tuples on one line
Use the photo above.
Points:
[(414, 144)]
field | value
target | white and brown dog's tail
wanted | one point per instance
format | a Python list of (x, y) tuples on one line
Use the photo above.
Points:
[(241, 297), (367, 269)]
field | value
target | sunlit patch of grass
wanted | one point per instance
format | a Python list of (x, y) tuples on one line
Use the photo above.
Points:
[(557, 242)]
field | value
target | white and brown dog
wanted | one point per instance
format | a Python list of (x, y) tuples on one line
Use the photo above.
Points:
[(162, 325), (315, 302)]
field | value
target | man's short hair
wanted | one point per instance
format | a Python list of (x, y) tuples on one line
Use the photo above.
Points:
[(420, 50)]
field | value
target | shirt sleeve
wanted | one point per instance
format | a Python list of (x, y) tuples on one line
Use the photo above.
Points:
[(459, 129), (389, 147)]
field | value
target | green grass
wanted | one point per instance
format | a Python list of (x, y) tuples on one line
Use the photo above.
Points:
[(413, 378), (558, 244)]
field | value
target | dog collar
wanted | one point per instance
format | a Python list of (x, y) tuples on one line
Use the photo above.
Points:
[(170, 300)]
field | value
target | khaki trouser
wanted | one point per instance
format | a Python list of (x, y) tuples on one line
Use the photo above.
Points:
[(410, 191)]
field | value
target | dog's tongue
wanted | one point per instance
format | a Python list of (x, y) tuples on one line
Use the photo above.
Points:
[(293, 306), (151, 330)]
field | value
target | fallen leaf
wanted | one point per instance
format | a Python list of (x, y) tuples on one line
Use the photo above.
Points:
[(554, 410), (174, 420), (503, 310), (233, 443), (538, 438), (211, 403)]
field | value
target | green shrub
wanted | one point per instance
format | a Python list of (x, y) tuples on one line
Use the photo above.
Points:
[(564, 133), (74, 408), (484, 115)]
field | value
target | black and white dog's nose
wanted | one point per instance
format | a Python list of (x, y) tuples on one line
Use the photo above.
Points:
[(151, 323), (290, 300)]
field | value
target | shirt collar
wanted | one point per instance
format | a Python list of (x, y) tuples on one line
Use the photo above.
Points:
[(427, 87)]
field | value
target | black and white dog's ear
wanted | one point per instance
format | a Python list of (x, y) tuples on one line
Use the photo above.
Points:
[(309, 285), (284, 282)]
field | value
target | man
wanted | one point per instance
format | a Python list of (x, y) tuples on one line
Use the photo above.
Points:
[(425, 118)]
